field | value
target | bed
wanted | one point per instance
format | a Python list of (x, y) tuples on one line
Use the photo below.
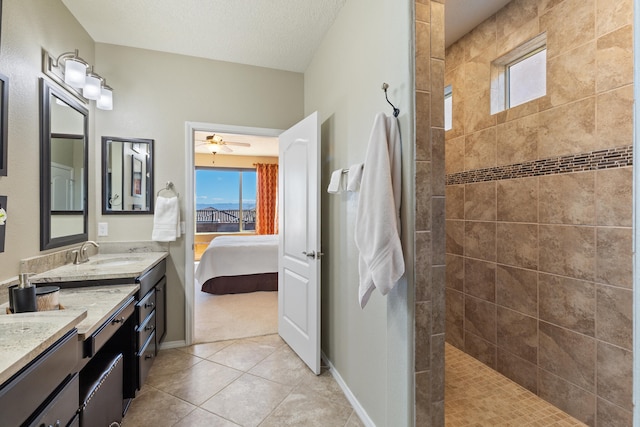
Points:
[(239, 264)]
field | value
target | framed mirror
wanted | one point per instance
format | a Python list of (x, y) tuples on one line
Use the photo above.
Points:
[(127, 175), (4, 121), (63, 168)]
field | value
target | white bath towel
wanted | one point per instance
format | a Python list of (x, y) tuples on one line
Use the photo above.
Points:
[(335, 185), (166, 220), (377, 230), (355, 177)]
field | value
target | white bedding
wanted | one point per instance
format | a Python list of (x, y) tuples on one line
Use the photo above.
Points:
[(238, 255)]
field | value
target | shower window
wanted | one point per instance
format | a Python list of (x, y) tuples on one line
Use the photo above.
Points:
[(520, 75), (448, 108)]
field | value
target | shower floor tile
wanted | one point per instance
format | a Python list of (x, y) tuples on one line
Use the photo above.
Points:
[(478, 396)]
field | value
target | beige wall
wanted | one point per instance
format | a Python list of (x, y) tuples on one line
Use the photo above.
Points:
[(154, 95), (370, 348), (539, 261), (27, 28)]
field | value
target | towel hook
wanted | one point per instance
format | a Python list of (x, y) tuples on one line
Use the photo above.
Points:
[(396, 111)]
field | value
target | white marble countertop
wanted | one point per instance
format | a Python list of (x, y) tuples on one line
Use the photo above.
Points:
[(103, 267), (24, 336), (99, 301)]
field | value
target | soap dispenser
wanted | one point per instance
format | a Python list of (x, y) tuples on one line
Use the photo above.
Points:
[(24, 296)]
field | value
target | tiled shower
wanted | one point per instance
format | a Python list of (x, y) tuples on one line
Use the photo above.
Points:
[(538, 207)]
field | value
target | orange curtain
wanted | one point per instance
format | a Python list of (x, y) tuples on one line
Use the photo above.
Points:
[(267, 199)]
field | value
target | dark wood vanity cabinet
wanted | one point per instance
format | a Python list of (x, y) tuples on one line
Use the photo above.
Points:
[(151, 319)]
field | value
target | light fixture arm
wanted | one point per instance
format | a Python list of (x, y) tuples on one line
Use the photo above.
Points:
[(57, 62)]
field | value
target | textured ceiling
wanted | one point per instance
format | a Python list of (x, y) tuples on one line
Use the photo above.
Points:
[(280, 34)]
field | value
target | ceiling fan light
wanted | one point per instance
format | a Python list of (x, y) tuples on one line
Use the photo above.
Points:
[(75, 72), (213, 148), (91, 88)]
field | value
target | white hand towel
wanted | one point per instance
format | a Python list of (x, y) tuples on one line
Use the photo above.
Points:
[(166, 220), (377, 233), (335, 185), (355, 177)]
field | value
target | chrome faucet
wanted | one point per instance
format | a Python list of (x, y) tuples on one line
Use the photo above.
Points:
[(80, 255)]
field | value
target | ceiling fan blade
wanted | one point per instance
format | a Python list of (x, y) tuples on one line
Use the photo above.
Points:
[(239, 144), (226, 149)]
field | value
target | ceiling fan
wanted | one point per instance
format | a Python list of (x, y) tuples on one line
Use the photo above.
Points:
[(215, 144)]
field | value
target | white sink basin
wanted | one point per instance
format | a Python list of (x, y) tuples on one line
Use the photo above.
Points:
[(114, 262)]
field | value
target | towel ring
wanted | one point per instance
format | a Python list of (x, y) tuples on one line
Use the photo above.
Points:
[(170, 188)]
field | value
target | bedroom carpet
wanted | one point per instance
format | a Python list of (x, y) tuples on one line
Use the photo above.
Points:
[(233, 316)]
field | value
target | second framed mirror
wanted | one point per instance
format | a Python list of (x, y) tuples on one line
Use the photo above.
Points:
[(127, 175)]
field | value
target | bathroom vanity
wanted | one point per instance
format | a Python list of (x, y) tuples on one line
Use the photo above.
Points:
[(82, 365)]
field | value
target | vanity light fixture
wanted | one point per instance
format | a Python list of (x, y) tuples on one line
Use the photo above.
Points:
[(69, 68)]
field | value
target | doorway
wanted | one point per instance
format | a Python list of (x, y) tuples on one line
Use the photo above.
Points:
[(193, 299)]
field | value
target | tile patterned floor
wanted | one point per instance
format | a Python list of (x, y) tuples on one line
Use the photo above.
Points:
[(246, 382), (478, 396)]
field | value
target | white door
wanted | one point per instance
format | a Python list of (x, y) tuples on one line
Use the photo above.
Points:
[(299, 249)]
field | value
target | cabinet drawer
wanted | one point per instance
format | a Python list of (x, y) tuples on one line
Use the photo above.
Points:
[(62, 406), (26, 391), (151, 277), (145, 306), (145, 359), (108, 328), (145, 330)]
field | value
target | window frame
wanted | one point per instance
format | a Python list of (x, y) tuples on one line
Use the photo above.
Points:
[(500, 71), (241, 229)]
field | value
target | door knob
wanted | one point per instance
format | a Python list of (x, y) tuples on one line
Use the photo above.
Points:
[(311, 254)]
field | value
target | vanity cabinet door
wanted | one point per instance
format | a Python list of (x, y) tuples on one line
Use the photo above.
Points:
[(145, 306), (161, 310), (62, 406)]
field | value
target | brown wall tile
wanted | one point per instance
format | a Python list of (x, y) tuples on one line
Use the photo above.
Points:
[(423, 125), (438, 172), (613, 14), (518, 140), (437, 368), (568, 198), (437, 91), (614, 316), (455, 308), (480, 240), (614, 257), (455, 237), (570, 76), (437, 31), (438, 314), (438, 237), (614, 197), (615, 375), (517, 289), (518, 334), (481, 37), (481, 349), (422, 250), (615, 59), (480, 318), (514, 15), (480, 149), (455, 335), (423, 56), (423, 336), (423, 398), (569, 303), (615, 117), (567, 354), (517, 244), (568, 129), (567, 251), (573, 400), (480, 279), (423, 11), (477, 115), (454, 200), (423, 196), (454, 155), (564, 34), (611, 415), (480, 201), (455, 56), (455, 272), (518, 200), (518, 370)]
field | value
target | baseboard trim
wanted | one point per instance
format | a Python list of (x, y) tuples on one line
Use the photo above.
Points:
[(172, 344), (364, 417)]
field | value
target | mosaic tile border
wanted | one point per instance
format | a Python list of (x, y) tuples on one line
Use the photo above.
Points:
[(594, 160)]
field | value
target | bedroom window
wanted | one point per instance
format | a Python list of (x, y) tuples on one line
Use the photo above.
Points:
[(225, 200)]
